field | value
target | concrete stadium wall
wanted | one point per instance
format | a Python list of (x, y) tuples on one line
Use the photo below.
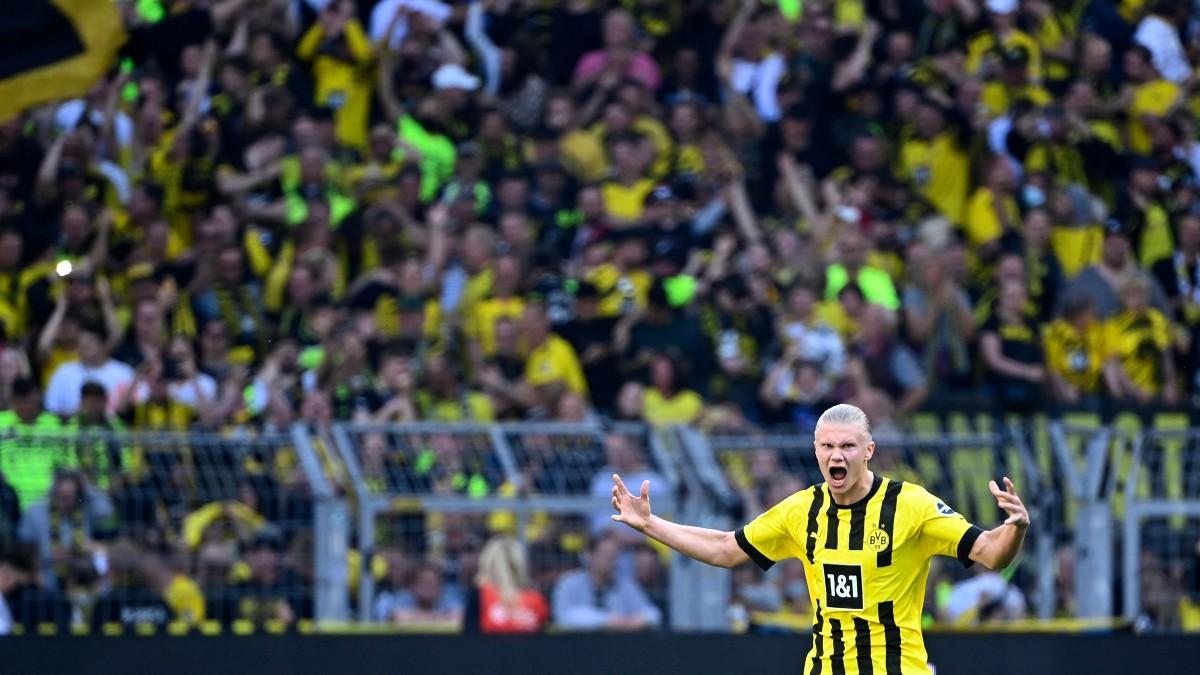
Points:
[(1006, 654)]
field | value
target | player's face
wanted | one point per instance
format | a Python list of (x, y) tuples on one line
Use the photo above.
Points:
[(842, 454)]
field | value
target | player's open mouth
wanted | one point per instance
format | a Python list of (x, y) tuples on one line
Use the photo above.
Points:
[(837, 473)]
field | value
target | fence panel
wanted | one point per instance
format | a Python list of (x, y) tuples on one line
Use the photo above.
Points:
[(149, 532), (250, 531), (1161, 538), (430, 496)]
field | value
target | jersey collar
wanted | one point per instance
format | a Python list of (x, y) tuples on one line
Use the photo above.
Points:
[(875, 485)]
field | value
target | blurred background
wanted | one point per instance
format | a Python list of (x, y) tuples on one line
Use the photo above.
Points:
[(332, 315)]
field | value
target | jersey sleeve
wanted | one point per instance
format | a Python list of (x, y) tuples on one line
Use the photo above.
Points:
[(770, 537), (942, 530)]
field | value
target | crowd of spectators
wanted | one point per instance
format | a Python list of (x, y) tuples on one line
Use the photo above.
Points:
[(720, 212)]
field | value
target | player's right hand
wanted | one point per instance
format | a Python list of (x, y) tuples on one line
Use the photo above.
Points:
[(1010, 501), (632, 510)]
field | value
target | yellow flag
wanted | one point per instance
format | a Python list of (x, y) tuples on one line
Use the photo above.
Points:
[(55, 49)]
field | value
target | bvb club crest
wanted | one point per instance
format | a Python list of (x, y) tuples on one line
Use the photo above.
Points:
[(878, 540)]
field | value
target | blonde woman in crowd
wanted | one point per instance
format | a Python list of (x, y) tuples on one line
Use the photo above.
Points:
[(503, 600)]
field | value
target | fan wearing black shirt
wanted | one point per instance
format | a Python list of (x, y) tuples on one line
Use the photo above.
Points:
[(272, 593), (502, 373), (130, 602), (592, 337), (740, 330), (1012, 355), (22, 601), (660, 327)]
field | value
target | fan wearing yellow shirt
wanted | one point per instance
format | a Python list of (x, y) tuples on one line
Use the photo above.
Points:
[(1149, 99), (1013, 85), (1055, 27), (625, 193), (934, 162), (1140, 366), (993, 209), (1076, 244), (623, 287), (866, 543), (1142, 208), (1003, 35), (476, 251), (634, 111), (25, 290), (1074, 350), (503, 302), (552, 366), (688, 127), (581, 150), (444, 399), (340, 52), (178, 591), (665, 401)]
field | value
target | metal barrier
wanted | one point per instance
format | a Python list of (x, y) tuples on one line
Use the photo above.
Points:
[(1084, 457), (253, 530), (1160, 571), (150, 531), (440, 489)]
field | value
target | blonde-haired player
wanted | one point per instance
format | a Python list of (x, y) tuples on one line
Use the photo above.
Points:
[(866, 543)]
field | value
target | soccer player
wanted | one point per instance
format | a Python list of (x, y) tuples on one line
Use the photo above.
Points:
[(865, 540)]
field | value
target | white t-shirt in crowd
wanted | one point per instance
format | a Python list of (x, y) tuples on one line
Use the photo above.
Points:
[(1166, 50), (760, 80), (63, 393), (381, 18)]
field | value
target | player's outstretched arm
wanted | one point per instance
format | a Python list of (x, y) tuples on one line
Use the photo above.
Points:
[(996, 548), (708, 546)]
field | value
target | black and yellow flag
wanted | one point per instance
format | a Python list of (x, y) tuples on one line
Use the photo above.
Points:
[(55, 49)]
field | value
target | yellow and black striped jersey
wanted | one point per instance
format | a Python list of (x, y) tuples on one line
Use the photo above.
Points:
[(1139, 341), (1076, 356), (866, 564)]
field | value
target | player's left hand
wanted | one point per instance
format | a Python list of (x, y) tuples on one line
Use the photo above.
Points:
[(1011, 503)]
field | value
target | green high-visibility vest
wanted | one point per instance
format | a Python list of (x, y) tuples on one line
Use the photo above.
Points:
[(29, 454), (438, 155)]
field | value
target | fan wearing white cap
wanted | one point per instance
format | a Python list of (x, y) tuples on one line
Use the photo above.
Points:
[(1001, 6), (454, 76), (1001, 35)]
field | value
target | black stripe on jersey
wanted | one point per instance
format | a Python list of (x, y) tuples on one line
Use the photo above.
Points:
[(831, 527), (764, 563), (965, 544), (887, 521), (818, 641), (837, 656), (862, 645), (891, 637), (857, 515), (810, 537)]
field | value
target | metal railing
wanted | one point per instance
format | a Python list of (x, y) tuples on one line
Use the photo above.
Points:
[(1160, 567), (335, 502), (107, 514), (519, 476)]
